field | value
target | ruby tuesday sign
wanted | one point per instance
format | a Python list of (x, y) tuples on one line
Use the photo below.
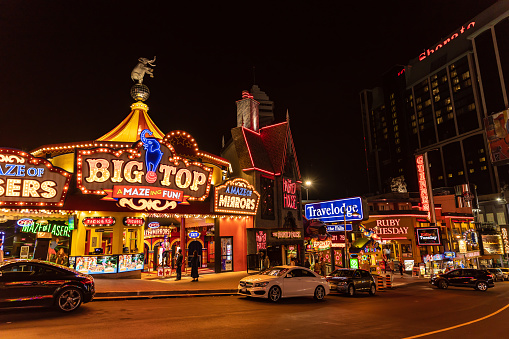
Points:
[(148, 177), (390, 227)]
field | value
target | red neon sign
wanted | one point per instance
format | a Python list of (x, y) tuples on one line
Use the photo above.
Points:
[(423, 188), (428, 52)]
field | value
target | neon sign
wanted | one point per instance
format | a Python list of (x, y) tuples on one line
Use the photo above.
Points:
[(261, 240), (147, 177), (236, 196), (98, 221), (423, 188), (26, 180), (349, 209), (505, 238), (428, 236), (289, 194), (154, 224), (55, 229), (287, 234), (428, 52), (133, 221), (193, 234)]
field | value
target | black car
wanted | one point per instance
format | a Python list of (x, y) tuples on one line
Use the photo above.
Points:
[(351, 281), (41, 283), (465, 277)]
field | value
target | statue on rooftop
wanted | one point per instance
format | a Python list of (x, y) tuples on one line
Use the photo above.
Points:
[(141, 69)]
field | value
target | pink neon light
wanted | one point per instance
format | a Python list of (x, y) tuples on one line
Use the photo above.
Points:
[(423, 188), (396, 215), (428, 52), (260, 170)]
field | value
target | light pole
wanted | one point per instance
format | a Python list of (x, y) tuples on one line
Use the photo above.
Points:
[(307, 184), (354, 214)]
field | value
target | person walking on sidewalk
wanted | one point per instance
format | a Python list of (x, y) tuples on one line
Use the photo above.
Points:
[(195, 263), (401, 268), (178, 262), (266, 262)]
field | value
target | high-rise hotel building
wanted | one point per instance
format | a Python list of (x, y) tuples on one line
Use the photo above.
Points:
[(438, 104)]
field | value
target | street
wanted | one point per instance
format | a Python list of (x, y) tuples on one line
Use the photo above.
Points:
[(403, 312)]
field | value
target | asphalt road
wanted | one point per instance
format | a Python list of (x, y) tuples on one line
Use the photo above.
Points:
[(404, 312)]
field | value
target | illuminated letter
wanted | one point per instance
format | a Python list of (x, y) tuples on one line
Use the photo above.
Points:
[(199, 179), (94, 169), (117, 170), (30, 188), (2, 190), (12, 187), (47, 186), (472, 23), (137, 174), (167, 171), (455, 35), (178, 178)]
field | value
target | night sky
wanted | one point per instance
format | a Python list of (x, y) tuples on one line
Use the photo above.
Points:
[(65, 69)]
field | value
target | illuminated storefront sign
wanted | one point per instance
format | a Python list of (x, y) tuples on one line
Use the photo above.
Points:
[(133, 221), (339, 228), (505, 239), (443, 43), (236, 196), (287, 234), (337, 239), (148, 177), (153, 224), (99, 221), (390, 226), (157, 232), (26, 180), (423, 187), (193, 234), (289, 194), (261, 240), (462, 246), (449, 255), (428, 236), (336, 210), (47, 227)]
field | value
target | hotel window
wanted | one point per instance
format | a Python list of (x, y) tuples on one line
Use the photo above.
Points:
[(454, 74), (395, 128), (421, 121), (440, 177), (396, 141), (434, 84), (433, 77), (419, 107), (483, 159), (413, 117), (444, 78), (456, 88), (427, 103), (438, 113), (393, 108), (471, 107), (419, 114), (391, 96), (414, 130), (396, 134), (471, 170), (460, 173), (449, 108), (448, 101), (436, 91), (418, 100), (393, 102), (449, 175), (398, 150), (414, 124), (440, 120), (386, 136), (400, 170), (450, 116), (455, 81), (465, 75), (385, 130), (395, 121), (468, 83), (383, 119), (437, 98)]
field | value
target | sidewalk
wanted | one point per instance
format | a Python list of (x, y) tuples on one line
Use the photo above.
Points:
[(214, 284)]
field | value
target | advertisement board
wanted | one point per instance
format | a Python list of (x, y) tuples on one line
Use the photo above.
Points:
[(428, 236), (130, 262), (95, 264), (497, 132), (350, 209)]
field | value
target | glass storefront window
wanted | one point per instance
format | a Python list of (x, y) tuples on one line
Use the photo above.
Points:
[(130, 240)]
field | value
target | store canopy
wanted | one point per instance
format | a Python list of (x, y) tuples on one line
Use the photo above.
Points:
[(359, 245)]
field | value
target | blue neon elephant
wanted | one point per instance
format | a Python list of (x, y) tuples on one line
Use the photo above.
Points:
[(153, 153)]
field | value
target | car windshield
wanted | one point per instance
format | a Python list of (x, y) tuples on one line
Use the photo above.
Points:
[(343, 273), (276, 271)]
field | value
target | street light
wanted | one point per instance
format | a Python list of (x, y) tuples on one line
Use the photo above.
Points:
[(307, 184), (354, 214)]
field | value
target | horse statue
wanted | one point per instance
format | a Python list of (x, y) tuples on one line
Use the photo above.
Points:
[(141, 69)]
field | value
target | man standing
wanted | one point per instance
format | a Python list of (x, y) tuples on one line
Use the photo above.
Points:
[(178, 262), (401, 268), (1, 251)]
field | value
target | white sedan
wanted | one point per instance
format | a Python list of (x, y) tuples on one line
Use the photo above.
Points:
[(284, 281)]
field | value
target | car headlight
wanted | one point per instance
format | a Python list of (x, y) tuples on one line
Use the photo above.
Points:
[(261, 284)]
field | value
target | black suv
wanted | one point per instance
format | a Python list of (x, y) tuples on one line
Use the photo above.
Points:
[(351, 281), (478, 279)]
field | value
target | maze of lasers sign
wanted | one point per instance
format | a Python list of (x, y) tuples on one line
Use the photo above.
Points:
[(236, 196), (148, 177), (26, 180), (289, 194)]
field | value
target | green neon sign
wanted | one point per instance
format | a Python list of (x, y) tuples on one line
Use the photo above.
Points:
[(56, 230), (354, 263)]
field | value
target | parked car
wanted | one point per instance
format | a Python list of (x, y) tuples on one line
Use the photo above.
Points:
[(351, 281), (505, 271), (478, 279), (41, 283), (497, 273), (284, 281)]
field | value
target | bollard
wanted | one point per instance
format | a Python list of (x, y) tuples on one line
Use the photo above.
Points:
[(388, 281), (380, 286)]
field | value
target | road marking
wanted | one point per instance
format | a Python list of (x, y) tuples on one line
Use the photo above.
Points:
[(460, 325)]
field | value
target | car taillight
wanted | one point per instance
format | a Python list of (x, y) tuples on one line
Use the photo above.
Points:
[(490, 275)]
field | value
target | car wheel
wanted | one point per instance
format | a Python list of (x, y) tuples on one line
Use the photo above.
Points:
[(443, 284), (372, 289), (274, 294), (351, 290), (69, 299), (319, 292), (481, 286)]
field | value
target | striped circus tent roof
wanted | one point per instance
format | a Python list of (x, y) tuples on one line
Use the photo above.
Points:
[(129, 130)]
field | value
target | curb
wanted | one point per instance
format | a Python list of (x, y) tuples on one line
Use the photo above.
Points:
[(164, 296), (107, 296)]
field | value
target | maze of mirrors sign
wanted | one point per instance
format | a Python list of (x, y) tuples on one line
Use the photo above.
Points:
[(236, 196), (26, 180)]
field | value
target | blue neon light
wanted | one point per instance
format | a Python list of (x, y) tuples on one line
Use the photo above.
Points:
[(336, 210)]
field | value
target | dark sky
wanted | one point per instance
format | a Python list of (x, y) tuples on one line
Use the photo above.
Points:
[(65, 69)]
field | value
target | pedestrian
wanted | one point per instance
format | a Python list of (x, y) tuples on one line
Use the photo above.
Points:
[(401, 269), (292, 261), (391, 267), (307, 264), (1, 251), (266, 262), (323, 267), (318, 267), (178, 262), (195, 263)]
